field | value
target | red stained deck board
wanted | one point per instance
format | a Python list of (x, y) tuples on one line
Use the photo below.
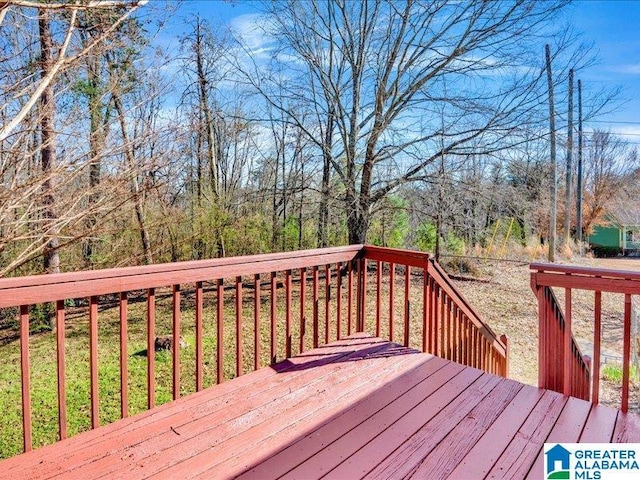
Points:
[(481, 458), (627, 428), (275, 457), (90, 446), (268, 428), (403, 461), (567, 429), (516, 460), (380, 444), (600, 425), (93, 443), (157, 449), (320, 453), (452, 449)]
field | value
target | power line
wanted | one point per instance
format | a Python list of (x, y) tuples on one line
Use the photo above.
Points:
[(620, 122)]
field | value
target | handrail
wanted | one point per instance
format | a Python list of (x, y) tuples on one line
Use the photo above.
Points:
[(585, 271), (436, 270), (50, 288), (598, 280)]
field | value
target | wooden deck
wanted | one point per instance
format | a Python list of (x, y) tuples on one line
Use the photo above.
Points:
[(361, 407)]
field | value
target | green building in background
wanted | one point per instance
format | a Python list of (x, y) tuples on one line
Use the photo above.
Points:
[(619, 234)]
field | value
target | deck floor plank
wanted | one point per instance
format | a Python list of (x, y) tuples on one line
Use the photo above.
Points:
[(267, 428), (481, 458), (354, 408), (600, 425), (448, 454), (395, 450), (320, 462), (627, 428), (567, 429), (273, 460), (516, 460), (176, 443)]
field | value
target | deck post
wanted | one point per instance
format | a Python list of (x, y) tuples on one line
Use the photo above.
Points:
[(505, 340)]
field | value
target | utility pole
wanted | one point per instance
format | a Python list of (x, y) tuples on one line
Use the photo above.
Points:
[(579, 179), (552, 139), (567, 192)]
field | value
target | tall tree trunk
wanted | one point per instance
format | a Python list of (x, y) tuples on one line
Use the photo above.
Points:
[(48, 148), (98, 121), (137, 194), (358, 224), (323, 209), (204, 107), (567, 193), (48, 153), (552, 140)]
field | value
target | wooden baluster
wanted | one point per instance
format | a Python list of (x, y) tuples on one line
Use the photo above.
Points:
[(62, 386), (407, 300), (315, 308), (151, 350), (378, 295), (448, 307), (350, 298), (392, 281), (287, 318), (568, 358), (176, 342), (25, 377), (456, 333), (238, 326), (256, 322), (93, 360), (434, 317), (363, 295), (274, 332), (626, 352), (124, 376), (303, 308), (199, 326), (543, 359), (327, 302), (597, 339), (443, 324), (425, 301), (220, 330), (339, 301)]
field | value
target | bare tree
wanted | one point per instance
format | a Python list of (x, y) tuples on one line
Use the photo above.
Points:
[(608, 166), (378, 67)]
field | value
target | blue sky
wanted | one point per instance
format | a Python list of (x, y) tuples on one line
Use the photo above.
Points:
[(612, 27)]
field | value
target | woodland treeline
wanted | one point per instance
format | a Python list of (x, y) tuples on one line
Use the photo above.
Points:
[(407, 123)]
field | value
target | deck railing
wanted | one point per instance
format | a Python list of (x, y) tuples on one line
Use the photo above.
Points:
[(562, 366), (257, 310)]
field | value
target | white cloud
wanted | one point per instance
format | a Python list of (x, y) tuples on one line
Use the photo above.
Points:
[(629, 68), (250, 29)]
